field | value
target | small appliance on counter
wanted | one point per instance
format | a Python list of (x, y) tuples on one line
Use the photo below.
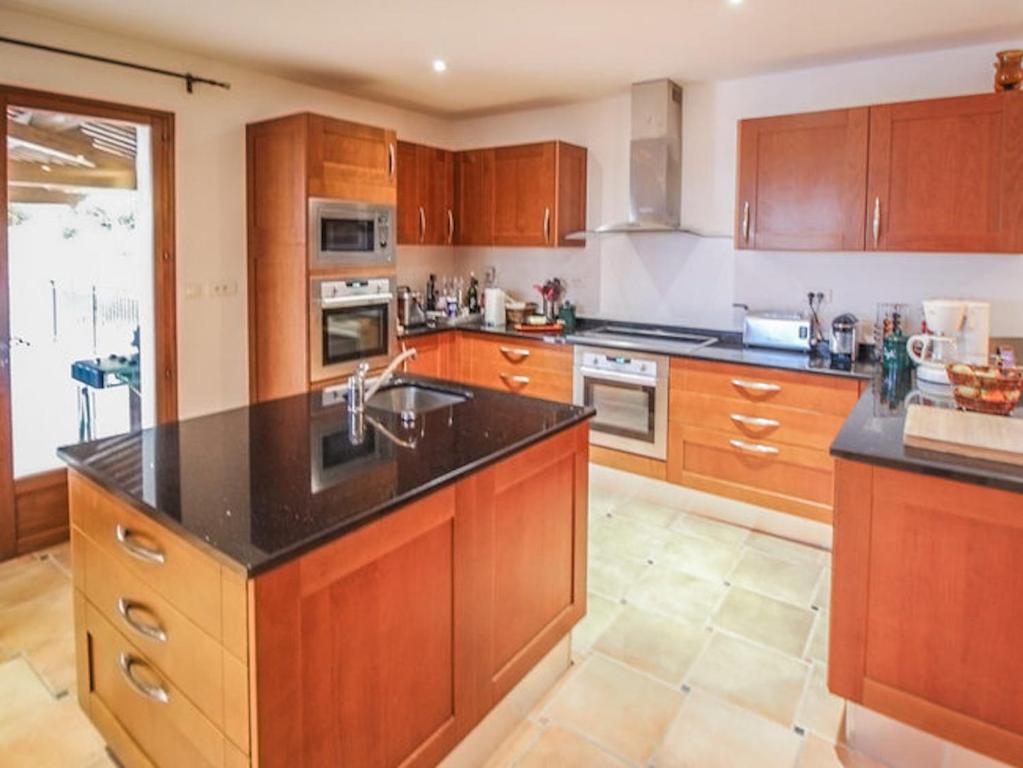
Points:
[(844, 336), (410, 309), (956, 331), (777, 330)]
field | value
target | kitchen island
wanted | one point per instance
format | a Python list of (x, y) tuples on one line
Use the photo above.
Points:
[(292, 584), (926, 614)]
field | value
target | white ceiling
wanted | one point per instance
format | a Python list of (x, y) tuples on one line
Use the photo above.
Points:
[(503, 55)]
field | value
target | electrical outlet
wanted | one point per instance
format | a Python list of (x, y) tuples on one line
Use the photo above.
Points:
[(220, 290), (827, 295)]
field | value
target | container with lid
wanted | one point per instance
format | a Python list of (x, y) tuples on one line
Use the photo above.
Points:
[(843, 335)]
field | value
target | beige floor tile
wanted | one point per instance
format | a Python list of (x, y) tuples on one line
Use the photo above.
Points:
[(707, 528), (676, 594), (30, 739), (60, 555), (26, 578), (54, 661), (29, 624), (653, 643), (600, 612), (788, 550), (818, 649), (618, 536), (780, 625), (622, 710), (823, 597), (793, 582), (818, 753), (558, 748), (709, 558), (759, 679), (711, 733), (513, 747), (612, 576), (649, 512), (22, 690), (821, 712)]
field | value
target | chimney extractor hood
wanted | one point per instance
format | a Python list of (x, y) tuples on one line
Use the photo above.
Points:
[(655, 162)]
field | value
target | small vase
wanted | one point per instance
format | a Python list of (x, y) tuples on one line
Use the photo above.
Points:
[(1009, 70)]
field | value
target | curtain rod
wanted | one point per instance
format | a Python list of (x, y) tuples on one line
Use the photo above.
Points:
[(188, 77)]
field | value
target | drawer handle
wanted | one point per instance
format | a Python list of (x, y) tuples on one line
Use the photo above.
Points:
[(127, 662), (127, 540), (515, 353), (754, 421), (763, 450), (152, 631), (757, 386), (515, 379)]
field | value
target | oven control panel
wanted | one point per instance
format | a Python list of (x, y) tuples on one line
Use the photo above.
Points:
[(620, 362)]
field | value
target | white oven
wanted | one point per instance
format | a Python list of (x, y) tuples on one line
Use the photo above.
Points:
[(350, 321), (630, 392)]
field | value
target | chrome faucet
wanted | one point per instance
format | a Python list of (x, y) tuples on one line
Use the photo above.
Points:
[(358, 393)]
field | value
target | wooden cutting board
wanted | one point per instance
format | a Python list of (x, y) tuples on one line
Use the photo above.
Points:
[(978, 435)]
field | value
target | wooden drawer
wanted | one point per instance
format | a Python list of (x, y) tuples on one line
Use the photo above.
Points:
[(767, 386), (164, 724), (483, 355), (754, 421), (761, 466), (546, 385), (215, 681), (190, 580)]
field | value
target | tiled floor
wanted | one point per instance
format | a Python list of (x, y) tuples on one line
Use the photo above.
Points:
[(704, 646)]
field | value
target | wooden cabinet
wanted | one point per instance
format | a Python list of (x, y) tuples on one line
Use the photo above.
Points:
[(474, 197), (925, 596), (760, 435), (436, 355), (802, 181), (521, 366), (935, 175), (426, 192), (349, 161), (945, 175)]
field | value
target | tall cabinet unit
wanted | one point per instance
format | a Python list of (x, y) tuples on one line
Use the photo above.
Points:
[(289, 160)]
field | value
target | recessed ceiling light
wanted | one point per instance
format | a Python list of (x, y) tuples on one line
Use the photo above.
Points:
[(735, 2), (439, 65)]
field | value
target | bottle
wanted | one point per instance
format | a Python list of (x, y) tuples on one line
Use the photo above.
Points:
[(431, 293), (474, 295)]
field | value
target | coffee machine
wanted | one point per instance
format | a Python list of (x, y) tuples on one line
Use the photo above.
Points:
[(956, 330)]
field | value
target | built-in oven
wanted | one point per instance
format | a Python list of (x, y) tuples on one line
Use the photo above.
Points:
[(347, 234), (350, 321), (630, 393)]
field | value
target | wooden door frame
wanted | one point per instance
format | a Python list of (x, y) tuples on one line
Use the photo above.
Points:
[(164, 297)]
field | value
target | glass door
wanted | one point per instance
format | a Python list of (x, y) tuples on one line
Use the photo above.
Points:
[(624, 409)]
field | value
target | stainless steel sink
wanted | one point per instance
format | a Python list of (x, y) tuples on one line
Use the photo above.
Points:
[(413, 398)]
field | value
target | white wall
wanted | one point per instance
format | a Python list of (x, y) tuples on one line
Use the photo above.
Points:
[(210, 173), (675, 278)]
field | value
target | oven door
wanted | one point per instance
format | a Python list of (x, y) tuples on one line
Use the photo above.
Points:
[(349, 234), (345, 332), (631, 411)]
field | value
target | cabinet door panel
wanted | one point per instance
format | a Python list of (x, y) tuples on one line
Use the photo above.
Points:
[(474, 197), (802, 181), (349, 161), (524, 195), (941, 175), (408, 194), (436, 185)]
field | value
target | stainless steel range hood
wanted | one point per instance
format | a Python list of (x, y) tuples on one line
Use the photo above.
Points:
[(655, 163)]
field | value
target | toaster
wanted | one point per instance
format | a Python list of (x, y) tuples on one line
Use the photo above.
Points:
[(777, 330)]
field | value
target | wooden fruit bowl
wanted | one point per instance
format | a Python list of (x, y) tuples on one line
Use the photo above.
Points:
[(986, 388)]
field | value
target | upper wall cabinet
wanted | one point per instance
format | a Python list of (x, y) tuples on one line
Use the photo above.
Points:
[(937, 175), (947, 175), (474, 197), (802, 181), (426, 192), (350, 161)]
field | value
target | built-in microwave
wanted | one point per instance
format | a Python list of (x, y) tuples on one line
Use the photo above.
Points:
[(350, 234), (350, 321)]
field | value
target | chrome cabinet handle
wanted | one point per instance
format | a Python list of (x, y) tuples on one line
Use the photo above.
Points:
[(764, 450), (877, 219), (514, 379), (127, 662), (126, 539), (390, 160), (515, 352), (547, 225), (754, 421), (757, 386), (451, 225), (745, 222), (152, 631), (422, 224)]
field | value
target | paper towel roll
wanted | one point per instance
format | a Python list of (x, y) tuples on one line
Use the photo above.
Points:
[(493, 307)]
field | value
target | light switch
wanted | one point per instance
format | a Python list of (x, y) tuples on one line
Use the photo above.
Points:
[(193, 290)]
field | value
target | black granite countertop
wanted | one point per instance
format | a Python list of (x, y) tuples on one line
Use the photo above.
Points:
[(261, 484), (873, 434), (727, 349)]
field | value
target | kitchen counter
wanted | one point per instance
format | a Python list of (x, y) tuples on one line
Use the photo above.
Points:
[(873, 434), (262, 484), (728, 348)]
